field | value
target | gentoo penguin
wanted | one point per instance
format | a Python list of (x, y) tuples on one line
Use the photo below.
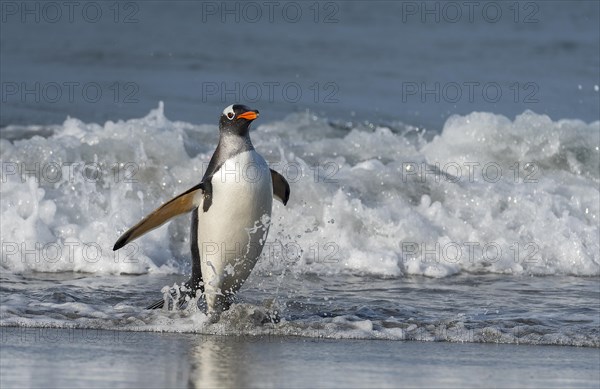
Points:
[(231, 210)]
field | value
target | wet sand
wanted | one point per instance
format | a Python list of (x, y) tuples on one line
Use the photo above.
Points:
[(52, 358)]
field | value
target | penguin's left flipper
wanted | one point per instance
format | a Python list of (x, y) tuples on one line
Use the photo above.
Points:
[(183, 203), (281, 188)]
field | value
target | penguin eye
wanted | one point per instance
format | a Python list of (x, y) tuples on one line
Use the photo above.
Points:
[(230, 115)]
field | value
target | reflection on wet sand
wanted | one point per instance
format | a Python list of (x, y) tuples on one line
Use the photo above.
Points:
[(233, 361)]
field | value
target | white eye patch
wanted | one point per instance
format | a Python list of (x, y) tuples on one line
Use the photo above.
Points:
[(229, 112)]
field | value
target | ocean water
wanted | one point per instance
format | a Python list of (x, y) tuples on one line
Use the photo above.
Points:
[(414, 215), (366, 248)]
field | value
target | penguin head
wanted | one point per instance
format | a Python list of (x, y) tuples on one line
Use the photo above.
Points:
[(236, 119)]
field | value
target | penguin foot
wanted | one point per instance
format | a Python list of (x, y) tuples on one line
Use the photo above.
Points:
[(158, 304), (177, 296)]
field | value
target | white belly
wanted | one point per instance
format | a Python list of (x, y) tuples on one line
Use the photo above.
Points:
[(232, 233)]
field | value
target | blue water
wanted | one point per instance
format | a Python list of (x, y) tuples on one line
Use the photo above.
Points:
[(353, 95), (367, 60)]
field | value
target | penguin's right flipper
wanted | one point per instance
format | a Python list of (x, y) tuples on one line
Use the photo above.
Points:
[(281, 188), (183, 203)]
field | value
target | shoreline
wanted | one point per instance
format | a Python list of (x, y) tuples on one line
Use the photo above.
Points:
[(116, 358), (38, 331)]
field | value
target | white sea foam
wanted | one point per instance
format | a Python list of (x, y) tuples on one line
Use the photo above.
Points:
[(248, 321), (365, 200)]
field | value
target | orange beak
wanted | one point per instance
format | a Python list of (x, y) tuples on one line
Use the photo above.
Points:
[(250, 115)]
